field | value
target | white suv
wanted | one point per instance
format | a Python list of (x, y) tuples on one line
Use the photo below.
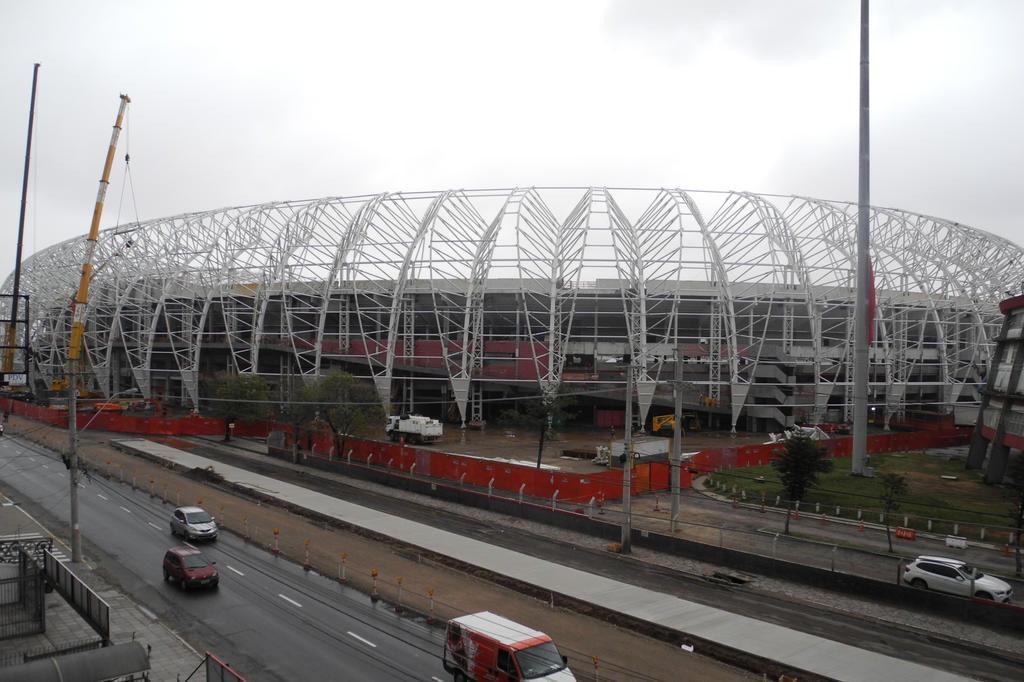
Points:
[(943, 574)]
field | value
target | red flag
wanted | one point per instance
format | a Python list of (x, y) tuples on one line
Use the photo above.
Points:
[(872, 303)]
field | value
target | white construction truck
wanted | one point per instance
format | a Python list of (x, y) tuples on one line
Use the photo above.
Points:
[(414, 428)]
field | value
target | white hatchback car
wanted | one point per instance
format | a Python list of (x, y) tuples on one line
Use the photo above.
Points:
[(943, 574), (193, 523)]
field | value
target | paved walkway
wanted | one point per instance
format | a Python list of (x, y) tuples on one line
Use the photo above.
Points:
[(170, 658), (791, 648)]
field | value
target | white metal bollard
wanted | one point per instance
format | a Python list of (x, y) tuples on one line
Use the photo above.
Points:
[(348, 455), (369, 459), (521, 489), (462, 479), (490, 486), (554, 500), (590, 507), (412, 469)]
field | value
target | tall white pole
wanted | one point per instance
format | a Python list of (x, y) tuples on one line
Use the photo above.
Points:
[(860, 352), (627, 466), (677, 442)]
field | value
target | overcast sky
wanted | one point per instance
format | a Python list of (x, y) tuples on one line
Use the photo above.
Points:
[(245, 102)]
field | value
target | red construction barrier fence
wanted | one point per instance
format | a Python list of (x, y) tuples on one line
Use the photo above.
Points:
[(483, 472)]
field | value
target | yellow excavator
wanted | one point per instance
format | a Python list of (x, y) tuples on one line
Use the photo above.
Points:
[(81, 302), (667, 422)]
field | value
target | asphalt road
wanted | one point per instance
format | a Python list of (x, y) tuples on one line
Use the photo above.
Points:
[(918, 646), (269, 619)]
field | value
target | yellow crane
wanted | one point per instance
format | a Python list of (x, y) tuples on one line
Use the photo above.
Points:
[(81, 301)]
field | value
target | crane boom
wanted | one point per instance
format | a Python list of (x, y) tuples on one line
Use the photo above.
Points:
[(82, 297)]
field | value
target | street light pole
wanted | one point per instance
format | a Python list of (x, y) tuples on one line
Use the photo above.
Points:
[(860, 341), (76, 533), (627, 466)]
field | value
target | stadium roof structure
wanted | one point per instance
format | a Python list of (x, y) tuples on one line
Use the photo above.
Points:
[(775, 270)]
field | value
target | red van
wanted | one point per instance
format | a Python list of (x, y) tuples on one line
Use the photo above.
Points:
[(484, 647)]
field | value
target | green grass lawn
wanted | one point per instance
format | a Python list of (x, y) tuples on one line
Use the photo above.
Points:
[(965, 500)]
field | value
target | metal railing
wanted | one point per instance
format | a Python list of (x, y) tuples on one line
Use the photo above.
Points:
[(87, 603)]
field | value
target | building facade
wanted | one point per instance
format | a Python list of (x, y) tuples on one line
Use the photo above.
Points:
[(1000, 424)]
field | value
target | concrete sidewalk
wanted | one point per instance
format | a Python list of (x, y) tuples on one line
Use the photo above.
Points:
[(796, 650), (170, 658)]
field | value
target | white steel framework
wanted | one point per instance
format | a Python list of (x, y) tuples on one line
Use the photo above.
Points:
[(466, 295)]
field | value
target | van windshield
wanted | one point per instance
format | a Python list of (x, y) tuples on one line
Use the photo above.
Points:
[(537, 661)]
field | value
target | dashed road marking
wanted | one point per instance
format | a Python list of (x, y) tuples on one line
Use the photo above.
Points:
[(153, 525), (46, 466), (232, 568), (147, 613), (126, 510), (103, 497), (188, 544), (292, 601), (438, 679), (364, 641)]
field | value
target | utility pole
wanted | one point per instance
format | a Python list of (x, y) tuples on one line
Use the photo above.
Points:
[(12, 333), (860, 342), (676, 460), (79, 306), (627, 466)]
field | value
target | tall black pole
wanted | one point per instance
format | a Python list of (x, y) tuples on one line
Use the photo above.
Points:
[(12, 337), (860, 348)]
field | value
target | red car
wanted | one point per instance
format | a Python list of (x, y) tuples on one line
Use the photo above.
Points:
[(189, 568)]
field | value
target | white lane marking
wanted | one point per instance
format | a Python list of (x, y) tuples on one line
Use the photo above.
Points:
[(232, 568), (153, 525), (146, 612), (292, 601), (438, 679), (103, 497), (126, 510), (364, 641), (46, 466), (31, 459), (188, 544)]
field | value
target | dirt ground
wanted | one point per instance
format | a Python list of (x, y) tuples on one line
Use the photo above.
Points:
[(518, 443), (426, 587)]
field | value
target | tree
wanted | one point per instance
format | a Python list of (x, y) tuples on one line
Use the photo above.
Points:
[(541, 415), (798, 467), (1017, 510), (348, 406), (238, 396), (894, 489)]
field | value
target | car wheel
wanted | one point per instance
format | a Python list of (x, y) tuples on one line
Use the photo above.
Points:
[(917, 582), (166, 576), (184, 585), (459, 677), (983, 595), (174, 533)]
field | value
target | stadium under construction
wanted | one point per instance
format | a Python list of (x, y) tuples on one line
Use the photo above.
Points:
[(452, 302)]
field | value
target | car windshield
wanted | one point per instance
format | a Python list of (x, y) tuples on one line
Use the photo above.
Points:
[(195, 561), (968, 570), (537, 661), (198, 517)]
